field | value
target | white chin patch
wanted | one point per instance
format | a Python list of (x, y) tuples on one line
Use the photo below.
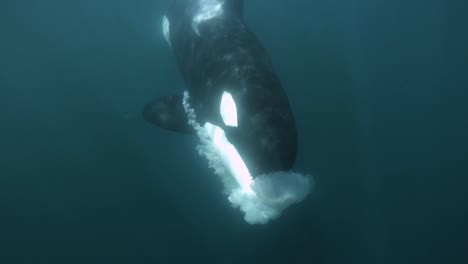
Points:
[(207, 10), (165, 27), (228, 110), (260, 199), (229, 156)]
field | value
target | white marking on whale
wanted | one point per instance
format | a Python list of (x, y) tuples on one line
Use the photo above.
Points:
[(230, 156), (166, 28), (228, 110), (208, 9)]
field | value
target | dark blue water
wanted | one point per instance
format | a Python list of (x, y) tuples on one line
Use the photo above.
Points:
[(379, 89)]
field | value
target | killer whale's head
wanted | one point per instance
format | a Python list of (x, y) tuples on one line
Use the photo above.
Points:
[(255, 169), (266, 139), (252, 156)]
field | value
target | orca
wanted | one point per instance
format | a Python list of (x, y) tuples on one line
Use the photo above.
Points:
[(235, 103)]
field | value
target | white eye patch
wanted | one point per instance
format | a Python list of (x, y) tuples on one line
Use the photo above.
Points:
[(228, 110)]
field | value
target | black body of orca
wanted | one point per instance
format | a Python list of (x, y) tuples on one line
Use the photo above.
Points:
[(217, 53)]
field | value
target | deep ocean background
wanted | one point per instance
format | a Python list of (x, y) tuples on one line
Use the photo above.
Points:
[(379, 90)]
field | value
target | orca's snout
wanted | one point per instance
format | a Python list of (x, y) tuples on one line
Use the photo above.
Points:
[(268, 142)]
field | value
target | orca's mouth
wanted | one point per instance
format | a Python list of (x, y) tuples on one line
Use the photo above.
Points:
[(261, 199)]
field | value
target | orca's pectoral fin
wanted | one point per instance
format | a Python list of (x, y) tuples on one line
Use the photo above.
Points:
[(168, 112)]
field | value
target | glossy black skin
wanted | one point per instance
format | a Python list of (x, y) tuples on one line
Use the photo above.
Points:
[(227, 56)]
